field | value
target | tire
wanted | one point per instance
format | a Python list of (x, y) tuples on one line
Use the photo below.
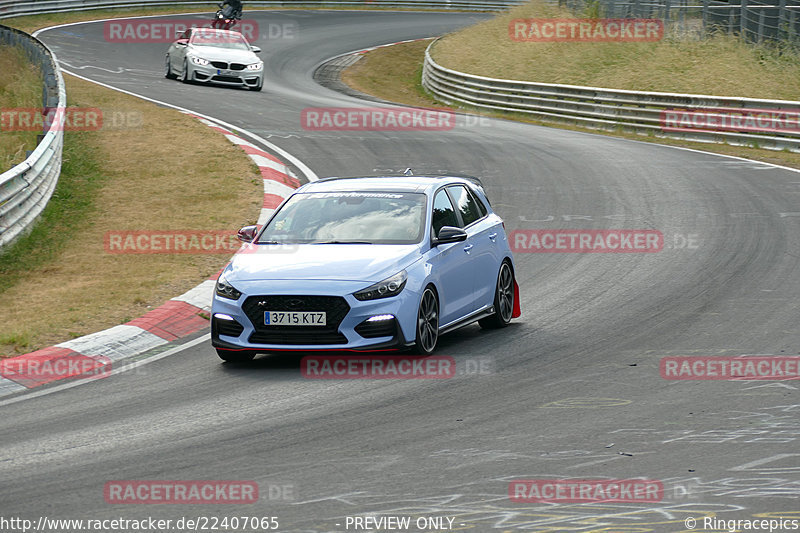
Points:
[(185, 77), (235, 357), (258, 87), (168, 70), (427, 323), (503, 299)]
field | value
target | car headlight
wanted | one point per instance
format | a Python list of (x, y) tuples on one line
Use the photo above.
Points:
[(384, 289), (226, 290), (199, 61), (254, 66)]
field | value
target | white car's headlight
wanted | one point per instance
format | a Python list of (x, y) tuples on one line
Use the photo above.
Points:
[(199, 61), (255, 66), (384, 289)]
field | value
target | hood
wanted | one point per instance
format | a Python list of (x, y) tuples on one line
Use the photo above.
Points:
[(339, 262), (223, 54)]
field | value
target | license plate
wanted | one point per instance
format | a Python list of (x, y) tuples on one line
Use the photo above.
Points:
[(294, 318), (221, 72)]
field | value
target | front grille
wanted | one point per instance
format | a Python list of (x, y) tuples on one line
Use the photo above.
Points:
[(226, 327), (227, 79), (220, 64), (381, 328), (297, 338), (335, 308), (237, 66)]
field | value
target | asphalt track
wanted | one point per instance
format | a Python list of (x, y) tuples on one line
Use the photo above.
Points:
[(572, 388)]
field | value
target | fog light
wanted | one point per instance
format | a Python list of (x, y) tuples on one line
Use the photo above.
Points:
[(380, 318)]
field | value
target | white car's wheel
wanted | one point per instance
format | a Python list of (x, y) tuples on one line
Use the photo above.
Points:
[(168, 69), (186, 77)]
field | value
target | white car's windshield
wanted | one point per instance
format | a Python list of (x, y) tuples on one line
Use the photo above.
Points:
[(349, 217), (230, 41)]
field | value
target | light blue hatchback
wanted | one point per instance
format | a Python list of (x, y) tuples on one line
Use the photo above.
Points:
[(366, 263)]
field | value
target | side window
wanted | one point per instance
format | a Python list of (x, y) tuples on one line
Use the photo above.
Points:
[(443, 212), (186, 34), (481, 208), (466, 204)]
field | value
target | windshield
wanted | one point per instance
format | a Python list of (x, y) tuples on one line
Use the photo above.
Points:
[(230, 41), (349, 217)]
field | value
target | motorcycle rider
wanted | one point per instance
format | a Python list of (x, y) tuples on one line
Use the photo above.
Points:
[(236, 7)]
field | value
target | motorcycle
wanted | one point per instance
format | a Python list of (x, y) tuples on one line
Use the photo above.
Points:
[(225, 18)]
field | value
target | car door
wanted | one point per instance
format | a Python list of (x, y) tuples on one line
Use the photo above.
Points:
[(177, 51), (482, 239), (452, 264)]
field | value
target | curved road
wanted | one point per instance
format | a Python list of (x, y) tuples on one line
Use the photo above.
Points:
[(570, 390)]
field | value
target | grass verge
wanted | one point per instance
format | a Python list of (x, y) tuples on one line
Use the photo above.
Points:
[(394, 73), (58, 282), (22, 90), (720, 65)]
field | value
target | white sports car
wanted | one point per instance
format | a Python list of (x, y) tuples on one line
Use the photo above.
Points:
[(209, 55)]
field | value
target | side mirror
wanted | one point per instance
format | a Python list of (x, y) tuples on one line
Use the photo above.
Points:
[(247, 233), (256, 49), (448, 234)]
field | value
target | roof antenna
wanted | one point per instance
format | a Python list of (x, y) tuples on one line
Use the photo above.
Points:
[(407, 172)]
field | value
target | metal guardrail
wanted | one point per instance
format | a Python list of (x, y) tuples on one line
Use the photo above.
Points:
[(26, 188), (16, 8), (607, 109)]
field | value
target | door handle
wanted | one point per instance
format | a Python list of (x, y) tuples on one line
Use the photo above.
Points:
[(492, 236), (468, 247)]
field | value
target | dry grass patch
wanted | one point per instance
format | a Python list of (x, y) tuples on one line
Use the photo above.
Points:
[(721, 65), (394, 73), (169, 173), (22, 89)]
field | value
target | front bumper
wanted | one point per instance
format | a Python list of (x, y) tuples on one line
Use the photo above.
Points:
[(238, 325), (236, 78)]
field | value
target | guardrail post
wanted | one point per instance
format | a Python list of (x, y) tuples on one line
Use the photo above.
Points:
[(782, 29), (705, 16), (743, 20)]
